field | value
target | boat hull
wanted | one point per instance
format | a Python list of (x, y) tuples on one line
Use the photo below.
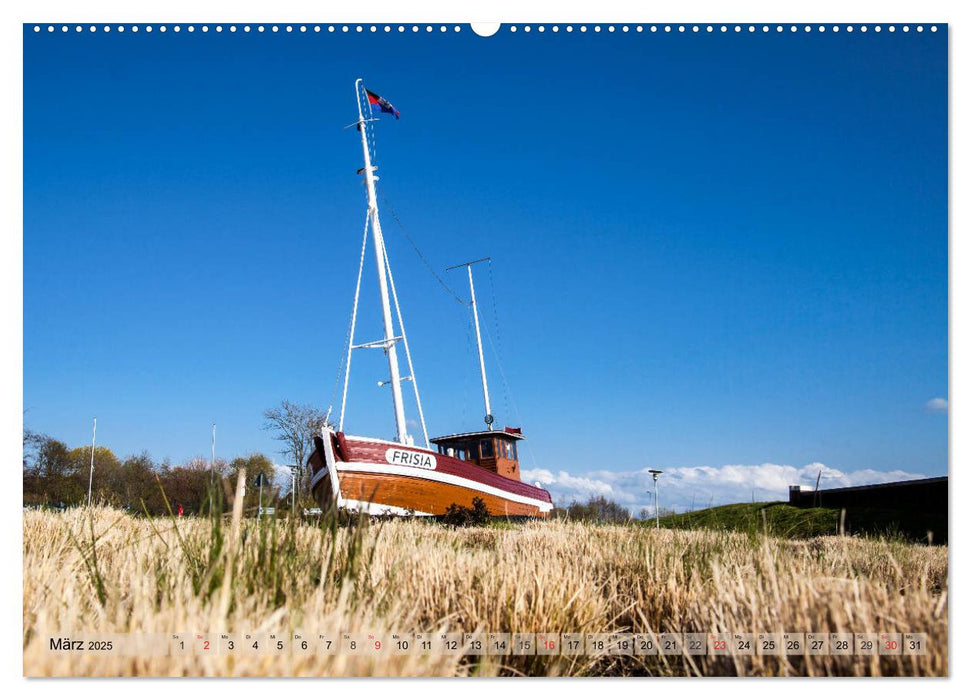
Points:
[(380, 477)]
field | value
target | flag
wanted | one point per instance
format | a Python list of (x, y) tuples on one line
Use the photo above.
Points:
[(382, 103)]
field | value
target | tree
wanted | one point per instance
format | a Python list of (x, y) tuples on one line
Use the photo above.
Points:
[(54, 472), (106, 482), (137, 482), (254, 464), (597, 509), (187, 486), (648, 513), (295, 425), (33, 481), (32, 444)]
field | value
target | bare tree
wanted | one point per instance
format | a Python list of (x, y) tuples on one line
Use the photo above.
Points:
[(295, 425)]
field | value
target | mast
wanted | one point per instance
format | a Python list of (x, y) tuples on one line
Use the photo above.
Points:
[(380, 259), (212, 468), (478, 340), (94, 432)]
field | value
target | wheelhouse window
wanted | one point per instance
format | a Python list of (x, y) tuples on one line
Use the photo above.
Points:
[(476, 448), (488, 448)]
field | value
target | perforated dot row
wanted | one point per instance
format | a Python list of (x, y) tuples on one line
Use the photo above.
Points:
[(258, 28), (428, 28), (712, 28)]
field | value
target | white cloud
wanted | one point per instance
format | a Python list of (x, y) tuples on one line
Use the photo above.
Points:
[(583, 487), (686, 488), (936, 405), (281, 477)]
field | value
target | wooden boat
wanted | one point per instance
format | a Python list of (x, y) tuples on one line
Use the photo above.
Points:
[(397, 477)]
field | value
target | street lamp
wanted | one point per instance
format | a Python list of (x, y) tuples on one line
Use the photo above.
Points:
[(657, 518)]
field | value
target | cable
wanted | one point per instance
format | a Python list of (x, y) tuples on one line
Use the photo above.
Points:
[(495, 320), (404, 338), (512, 400), (350, 330), (428, 265)]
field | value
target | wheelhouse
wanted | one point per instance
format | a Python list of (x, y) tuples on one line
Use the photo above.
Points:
[(495, 450)]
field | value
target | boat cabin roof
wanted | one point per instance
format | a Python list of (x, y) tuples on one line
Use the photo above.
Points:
[(507, 434)]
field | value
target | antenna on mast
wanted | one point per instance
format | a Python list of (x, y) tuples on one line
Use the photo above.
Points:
[(489, 419)]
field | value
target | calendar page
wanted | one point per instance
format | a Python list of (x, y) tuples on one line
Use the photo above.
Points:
[(438, 349)]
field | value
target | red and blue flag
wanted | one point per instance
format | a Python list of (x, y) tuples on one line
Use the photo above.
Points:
[(383, 104)]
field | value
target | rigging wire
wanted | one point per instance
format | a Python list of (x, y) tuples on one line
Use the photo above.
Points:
[(495, 320), (345, 362), (502, 374), (424, 260), (508, 392), (404, 338), (496, 351), (467, 376)]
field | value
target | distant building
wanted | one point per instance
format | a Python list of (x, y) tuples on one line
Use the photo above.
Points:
[(916, 495), (915, 507)]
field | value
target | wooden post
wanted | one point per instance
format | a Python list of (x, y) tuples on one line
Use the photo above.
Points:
[(233, 541)]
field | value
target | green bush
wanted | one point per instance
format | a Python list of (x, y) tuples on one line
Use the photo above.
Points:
[(461, 516)]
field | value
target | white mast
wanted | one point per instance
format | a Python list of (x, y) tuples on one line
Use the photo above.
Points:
[(478, 340), (212, 468), (94, 432), (381, 261)]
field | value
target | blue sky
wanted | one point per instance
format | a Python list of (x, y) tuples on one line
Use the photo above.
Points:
[(709, 251)]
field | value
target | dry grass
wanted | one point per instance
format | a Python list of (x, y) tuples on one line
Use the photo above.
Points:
[(106, 572)]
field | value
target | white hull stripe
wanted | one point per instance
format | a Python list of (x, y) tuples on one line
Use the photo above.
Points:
[(379, 509), (428, 475), (315, 479)]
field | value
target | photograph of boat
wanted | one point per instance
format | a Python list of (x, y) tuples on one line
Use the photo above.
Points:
[(632, 360), (382, 477)]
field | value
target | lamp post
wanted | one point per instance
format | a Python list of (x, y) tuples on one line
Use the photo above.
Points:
[(294, 481), (260, 480), (657, 517)]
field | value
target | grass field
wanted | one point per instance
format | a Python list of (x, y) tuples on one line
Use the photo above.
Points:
[(782, 520), (105, 571)]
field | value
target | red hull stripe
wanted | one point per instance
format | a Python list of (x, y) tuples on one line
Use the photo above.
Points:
[(374, 452), (436, 477)]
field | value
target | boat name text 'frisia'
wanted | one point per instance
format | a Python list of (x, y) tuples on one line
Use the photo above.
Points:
[(406, 458)]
